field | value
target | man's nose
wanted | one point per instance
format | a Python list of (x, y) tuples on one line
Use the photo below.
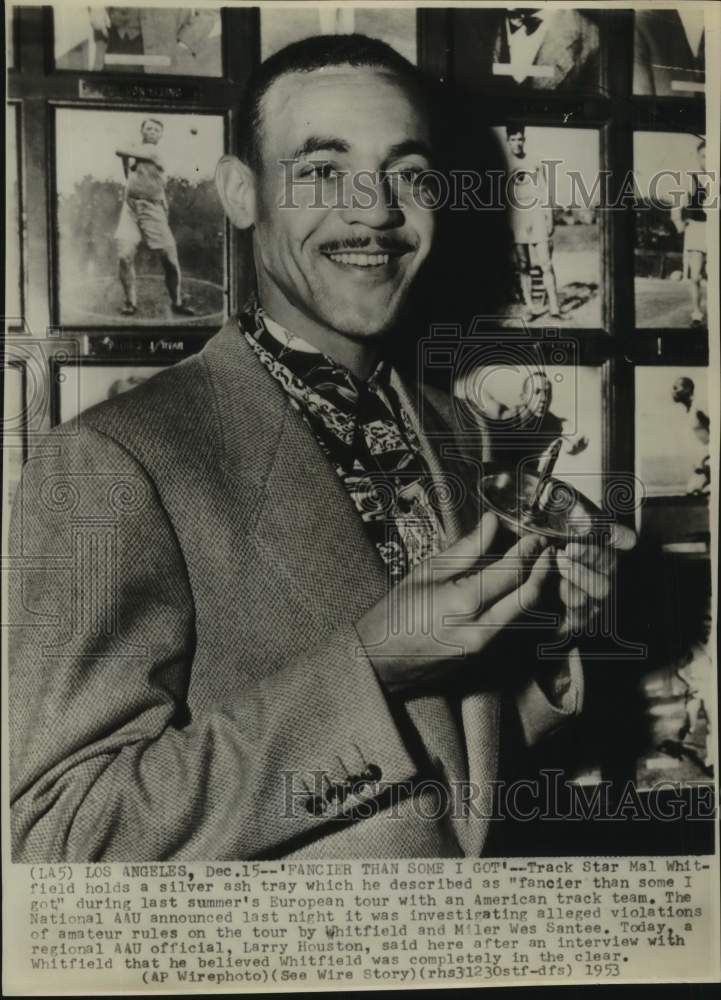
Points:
[(370, 199)]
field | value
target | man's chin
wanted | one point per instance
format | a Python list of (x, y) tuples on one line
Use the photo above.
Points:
[(363, 327), (361, 321)]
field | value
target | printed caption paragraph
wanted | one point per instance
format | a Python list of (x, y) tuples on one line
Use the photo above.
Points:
[(253, 925)]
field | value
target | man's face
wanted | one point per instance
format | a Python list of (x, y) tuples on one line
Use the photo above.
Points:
[(681, 391), (124, 17), (537, 393), (339, 235), (151, 132), (517, 143)]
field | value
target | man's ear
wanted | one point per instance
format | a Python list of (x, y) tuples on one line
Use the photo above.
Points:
[(235, 182)]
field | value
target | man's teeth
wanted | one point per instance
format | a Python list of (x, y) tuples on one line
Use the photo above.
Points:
[(361, 259)]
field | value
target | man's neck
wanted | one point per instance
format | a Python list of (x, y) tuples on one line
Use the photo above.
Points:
[(359, 356)]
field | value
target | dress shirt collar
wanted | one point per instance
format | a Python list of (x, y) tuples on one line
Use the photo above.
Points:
[(288, 342)]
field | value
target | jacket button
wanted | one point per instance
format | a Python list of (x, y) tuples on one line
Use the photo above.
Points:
[(373, 773), (315, 805), (336, 793)]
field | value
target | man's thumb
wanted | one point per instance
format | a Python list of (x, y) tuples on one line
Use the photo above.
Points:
[(463, 556)]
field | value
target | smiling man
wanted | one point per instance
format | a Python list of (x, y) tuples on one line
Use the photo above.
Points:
[(327, 184), (246, 622)]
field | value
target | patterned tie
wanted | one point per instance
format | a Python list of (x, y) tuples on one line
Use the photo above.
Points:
[(368, 437)]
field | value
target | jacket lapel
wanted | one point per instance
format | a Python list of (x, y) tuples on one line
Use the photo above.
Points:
[(297, 510), (303, 518), (312, 529)]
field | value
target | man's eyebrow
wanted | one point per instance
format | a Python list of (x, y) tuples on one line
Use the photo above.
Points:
[(409, 147), (316, 144)]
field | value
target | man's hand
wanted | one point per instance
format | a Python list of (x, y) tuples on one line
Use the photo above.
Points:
[(586, 576), (451, 606)]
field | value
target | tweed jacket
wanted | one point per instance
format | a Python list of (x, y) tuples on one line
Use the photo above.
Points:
[(186, 572)]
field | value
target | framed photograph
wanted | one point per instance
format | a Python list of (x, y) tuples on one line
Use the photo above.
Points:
[(178, 41), (14, 428), (81, 383), (670, 229), (674, 466), (527, 408), (526, 49), (669, 52), (14, 230), (676, 734), (394, 25), (141, 233), (553, 226)]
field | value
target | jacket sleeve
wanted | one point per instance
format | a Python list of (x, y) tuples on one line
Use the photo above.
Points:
[(107, 762), (542, 715)]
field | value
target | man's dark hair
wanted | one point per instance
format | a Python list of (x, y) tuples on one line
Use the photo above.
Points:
[(156, 121), (320, 52), (515, 130)]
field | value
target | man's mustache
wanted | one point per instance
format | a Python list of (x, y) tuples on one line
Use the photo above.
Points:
[(386, 244)]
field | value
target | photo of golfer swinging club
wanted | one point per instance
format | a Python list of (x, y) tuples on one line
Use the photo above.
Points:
[(141, 232)]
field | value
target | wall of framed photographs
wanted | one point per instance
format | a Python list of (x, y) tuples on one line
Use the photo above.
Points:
[(608, 93), (618, 95)]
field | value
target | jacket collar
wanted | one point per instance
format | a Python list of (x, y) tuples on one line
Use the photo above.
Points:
[(298, 512), (250, 407)]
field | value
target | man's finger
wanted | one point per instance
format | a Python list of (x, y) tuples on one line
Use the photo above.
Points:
[(572, 596), (494, 581), (599, 557), (467, 551), (522, 599), (594, 584), (622, 538), (526, 550)]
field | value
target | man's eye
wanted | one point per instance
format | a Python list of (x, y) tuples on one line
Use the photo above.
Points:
[(320, 171), (408, 175)]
